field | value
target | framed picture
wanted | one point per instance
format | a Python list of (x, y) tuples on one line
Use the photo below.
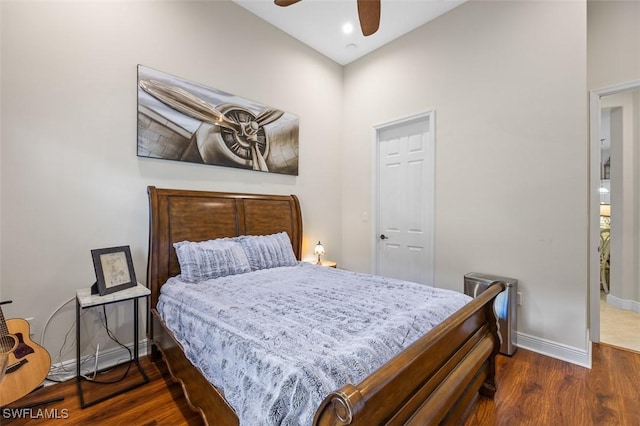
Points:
[(185, 121), (114, 269)]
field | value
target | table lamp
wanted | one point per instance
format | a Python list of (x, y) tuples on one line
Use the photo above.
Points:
[(318, 251)]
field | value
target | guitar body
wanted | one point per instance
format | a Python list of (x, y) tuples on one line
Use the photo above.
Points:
[(28, 365)]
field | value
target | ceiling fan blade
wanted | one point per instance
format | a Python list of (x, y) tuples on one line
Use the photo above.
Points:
[(369, 14), (284, 3)]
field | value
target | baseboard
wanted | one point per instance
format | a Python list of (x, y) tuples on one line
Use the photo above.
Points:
[(559, 351), (624, 304), (107, 358)]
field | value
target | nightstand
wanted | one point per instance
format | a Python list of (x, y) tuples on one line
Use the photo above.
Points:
[(86, 300), (327, 263)]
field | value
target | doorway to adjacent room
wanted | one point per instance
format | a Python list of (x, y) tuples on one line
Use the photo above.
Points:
[(615, 209)]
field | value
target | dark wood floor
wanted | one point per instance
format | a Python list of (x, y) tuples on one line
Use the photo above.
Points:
[(159, 402), (532, 390), (538, 390)]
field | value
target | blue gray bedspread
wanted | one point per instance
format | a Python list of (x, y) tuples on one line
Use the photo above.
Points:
[(277, 341)]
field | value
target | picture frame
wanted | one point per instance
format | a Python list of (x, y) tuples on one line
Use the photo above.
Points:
[(181, 120), (114, 269)]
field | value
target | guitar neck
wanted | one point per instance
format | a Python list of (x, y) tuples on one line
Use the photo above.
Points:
[(3, 324), (7, 341)]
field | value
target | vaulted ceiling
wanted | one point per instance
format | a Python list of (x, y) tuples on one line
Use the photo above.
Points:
[(319, 23)]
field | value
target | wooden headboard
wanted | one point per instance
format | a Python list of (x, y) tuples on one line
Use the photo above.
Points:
[(177, 215)]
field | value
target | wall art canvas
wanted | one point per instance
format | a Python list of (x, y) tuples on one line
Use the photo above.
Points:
[(185, 121)]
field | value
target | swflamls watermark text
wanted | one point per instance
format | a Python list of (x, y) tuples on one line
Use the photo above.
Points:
[(35, 413)]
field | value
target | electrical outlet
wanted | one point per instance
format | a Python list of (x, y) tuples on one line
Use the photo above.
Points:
[(519, 299)]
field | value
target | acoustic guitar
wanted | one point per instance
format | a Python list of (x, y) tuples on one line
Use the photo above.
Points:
[(28, 363)]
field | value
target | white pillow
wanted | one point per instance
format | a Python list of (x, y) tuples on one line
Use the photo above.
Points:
[(201, 261), (268, 251)]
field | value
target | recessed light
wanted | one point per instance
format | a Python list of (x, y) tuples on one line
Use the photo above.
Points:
[(351, 46), (347, 28)]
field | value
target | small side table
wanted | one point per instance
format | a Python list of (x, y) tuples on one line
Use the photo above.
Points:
[(85, 300), (327, 263)]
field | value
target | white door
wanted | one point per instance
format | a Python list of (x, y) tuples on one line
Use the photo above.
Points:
[(405, 199)]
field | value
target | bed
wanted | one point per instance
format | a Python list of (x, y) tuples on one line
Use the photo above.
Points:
[(432, 381)]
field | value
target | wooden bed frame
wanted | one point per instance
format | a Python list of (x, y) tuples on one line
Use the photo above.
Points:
[(431, 382)]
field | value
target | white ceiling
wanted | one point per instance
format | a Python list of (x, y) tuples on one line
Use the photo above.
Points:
[(318, 23)]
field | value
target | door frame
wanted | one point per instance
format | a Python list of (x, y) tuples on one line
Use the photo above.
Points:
[(595, 97), (430, 116)]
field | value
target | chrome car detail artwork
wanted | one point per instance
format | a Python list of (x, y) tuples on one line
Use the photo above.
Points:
[(185, 121)]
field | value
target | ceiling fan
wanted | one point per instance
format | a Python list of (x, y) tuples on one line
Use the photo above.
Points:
[(368, 13)]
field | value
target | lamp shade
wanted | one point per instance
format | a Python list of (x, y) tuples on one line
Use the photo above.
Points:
[(319, 250)]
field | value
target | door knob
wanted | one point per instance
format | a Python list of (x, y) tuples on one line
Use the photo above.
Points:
[(383, 237)]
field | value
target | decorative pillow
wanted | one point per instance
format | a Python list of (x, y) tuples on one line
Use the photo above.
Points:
[(210, 259), (268, 251)]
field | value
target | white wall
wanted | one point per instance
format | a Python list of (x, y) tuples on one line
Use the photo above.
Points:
[(508, 83), (71, 181), (614, 42)]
